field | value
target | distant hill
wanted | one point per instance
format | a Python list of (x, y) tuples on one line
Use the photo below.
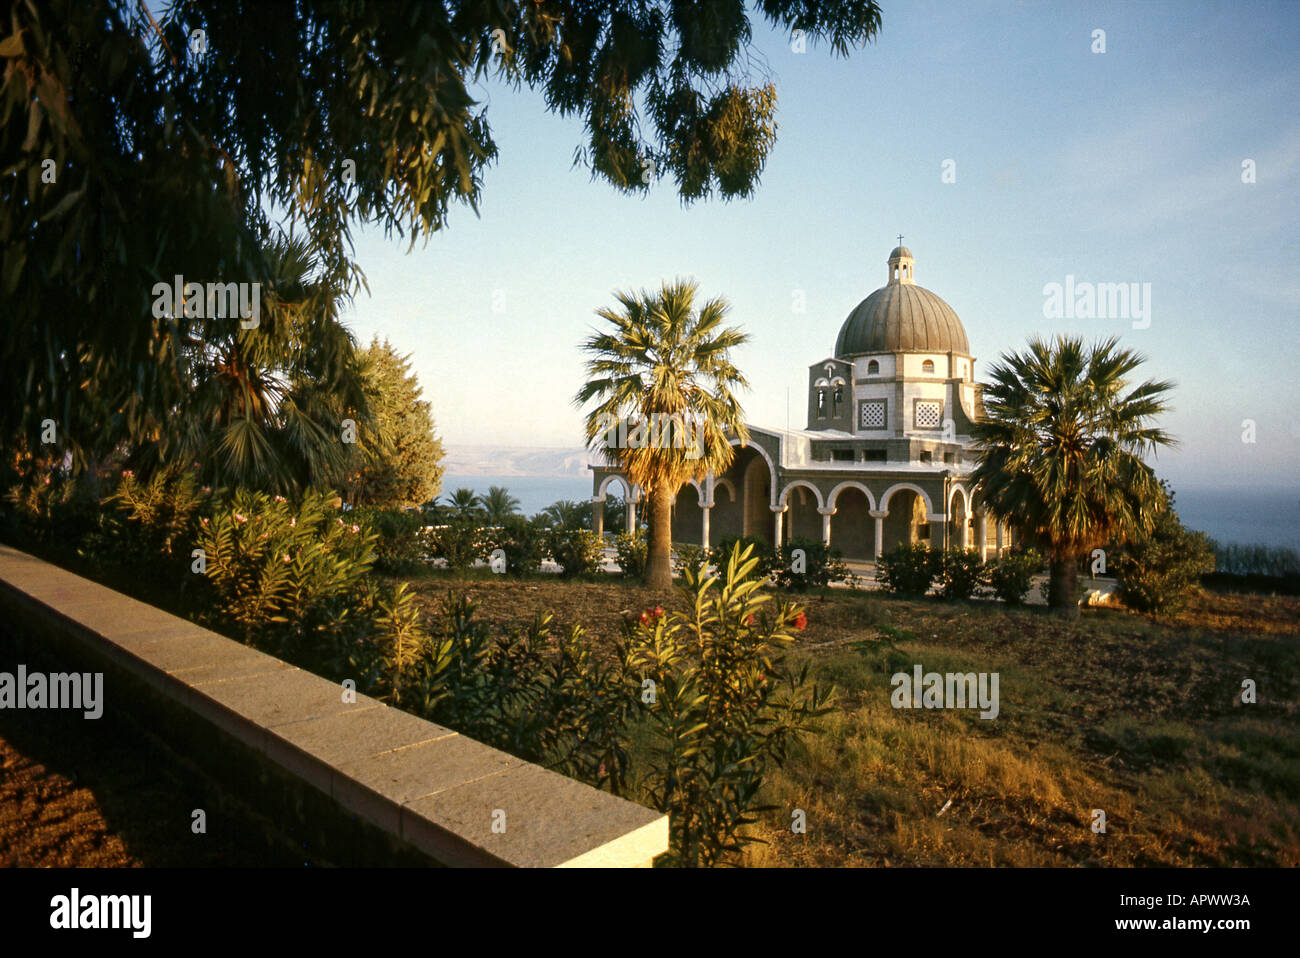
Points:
[(512, 461)]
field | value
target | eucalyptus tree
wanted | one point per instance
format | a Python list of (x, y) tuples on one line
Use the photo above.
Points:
[(1061, 451), (665, 412), (135, 148), (401, 455)]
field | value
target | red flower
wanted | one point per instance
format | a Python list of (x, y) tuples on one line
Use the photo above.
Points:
[(659, 612), (801, 621), (749, 619), (645, 618)]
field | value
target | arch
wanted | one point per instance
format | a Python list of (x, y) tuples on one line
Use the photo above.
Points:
[(965, 499), (699, 491), (771, 466), (724, 483), (925, 497), (927, 367), (850, 483), (630, 488), (873, 368), (785, 493)]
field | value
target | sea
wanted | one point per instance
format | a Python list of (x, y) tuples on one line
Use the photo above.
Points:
[(1229, 515), (534, 493)]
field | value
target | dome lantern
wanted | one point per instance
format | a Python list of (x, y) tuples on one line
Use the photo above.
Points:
[(901, 317), (902, 265)]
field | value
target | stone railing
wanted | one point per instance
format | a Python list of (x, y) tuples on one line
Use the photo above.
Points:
[(421, 791)]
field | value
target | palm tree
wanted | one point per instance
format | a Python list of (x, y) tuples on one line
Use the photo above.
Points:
[(566, 514), (664, 371), (499, 505), (465, 504), (267, 407), (1060, 451)]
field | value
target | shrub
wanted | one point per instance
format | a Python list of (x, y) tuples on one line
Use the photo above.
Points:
[(690, 559), (150, 524), (761, 551), (723, 706), (524, 543), (285, 572), (632, 550), (961, 573), (576, 551), (908, 569), (541, 697), (1011, 576), (52, 508), (400, 544), (1157, 572), (461, 542), (819, 566)]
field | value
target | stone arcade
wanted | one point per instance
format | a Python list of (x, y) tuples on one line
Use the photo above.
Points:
[(885, 458)]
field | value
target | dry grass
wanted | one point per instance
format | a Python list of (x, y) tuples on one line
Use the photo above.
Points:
[(1119, 712)]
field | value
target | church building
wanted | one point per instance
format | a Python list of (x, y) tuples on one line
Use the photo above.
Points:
[(886, 456)]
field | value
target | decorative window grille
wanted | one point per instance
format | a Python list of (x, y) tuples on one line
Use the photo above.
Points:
[(871, 414), (929, 413)]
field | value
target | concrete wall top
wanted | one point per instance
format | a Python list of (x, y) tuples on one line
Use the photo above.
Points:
[(439, 791)]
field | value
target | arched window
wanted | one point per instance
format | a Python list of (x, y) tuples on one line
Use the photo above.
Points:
[(837, 399), (927, 367), (821, 404), (873, 368)]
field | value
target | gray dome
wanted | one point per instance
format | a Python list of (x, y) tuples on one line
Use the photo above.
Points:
[(901, 251), (901, 317)]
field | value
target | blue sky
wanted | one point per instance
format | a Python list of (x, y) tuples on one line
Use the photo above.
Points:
[(1115, 167)]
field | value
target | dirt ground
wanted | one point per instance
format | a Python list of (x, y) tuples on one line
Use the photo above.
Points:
[(81, 793)]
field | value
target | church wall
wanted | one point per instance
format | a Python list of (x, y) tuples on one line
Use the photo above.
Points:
[(913, 391), (873, 390), (912, 365), (886, 361)]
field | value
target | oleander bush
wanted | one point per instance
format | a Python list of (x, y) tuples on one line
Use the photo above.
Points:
[(401, 546), (576, 551), (722, 704), (524, 543), (632, 550), (690, 558), (760, 550), (908, 569), (461, 542), (803, 564), (1011, 576), (539, 695), (280, 571), (961, 573), (1158, 571)]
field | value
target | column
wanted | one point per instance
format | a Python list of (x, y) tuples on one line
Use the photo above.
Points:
[(598, 515), (965, 530), (998, 525), (826, 528), (630, 516), (880, 531), (780, 513), (984, 536), (704, 526)]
